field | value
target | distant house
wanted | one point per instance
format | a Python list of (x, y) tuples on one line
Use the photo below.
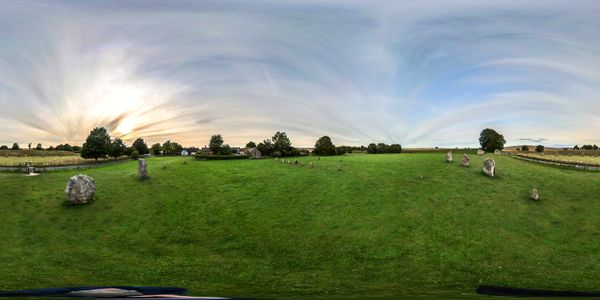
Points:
[(184, 153), (236, 150), (205, 151), (253, 153)]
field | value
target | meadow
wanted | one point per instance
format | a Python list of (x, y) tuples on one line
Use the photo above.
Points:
[(43, 158), (354, 224)]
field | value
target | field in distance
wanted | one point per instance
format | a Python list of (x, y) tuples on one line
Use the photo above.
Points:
[(42, 158)]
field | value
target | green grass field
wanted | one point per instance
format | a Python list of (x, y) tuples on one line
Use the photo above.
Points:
[(383, 224)]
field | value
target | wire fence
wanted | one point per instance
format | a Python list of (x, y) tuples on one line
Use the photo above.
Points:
[(557, 164)]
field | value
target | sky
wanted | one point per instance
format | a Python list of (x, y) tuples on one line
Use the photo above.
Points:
[(417, 73)]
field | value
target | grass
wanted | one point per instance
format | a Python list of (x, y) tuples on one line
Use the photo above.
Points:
[(358, 224)]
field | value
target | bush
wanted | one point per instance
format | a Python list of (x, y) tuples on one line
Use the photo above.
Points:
[(135, 155), (525, 148)]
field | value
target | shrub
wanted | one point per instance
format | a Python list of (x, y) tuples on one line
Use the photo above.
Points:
[(135, 155), (525, 148)]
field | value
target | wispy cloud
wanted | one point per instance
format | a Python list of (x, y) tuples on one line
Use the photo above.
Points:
[(426, 74)]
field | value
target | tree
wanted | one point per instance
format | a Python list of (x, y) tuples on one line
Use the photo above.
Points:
[(51, 148), (265, 148), (156, 148), (251, 144), (3, 147), (140, 146), (525, 148), (117, 148), (15, 146), (490, 140), (595, 147), (539, 148), (134, 154), (324, 146), (215, 144), (39, 147), (29, 146), (97, 144), (282, 145), (576, 147), (395, 148), (372, 148)]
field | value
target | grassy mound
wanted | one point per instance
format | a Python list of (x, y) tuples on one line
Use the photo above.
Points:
[(353, 224)]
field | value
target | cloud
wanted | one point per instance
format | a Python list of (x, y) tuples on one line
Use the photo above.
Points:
[(419, 74)]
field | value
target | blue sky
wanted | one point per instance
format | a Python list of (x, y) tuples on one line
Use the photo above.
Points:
[(418, 73)]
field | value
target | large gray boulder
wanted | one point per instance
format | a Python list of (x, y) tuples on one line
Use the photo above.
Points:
[(142, 169), (466, 160), (489, 167), (449, 156), (80, 189), (480, 152)]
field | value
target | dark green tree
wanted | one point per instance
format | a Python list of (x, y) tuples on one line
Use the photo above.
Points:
[(266, 147), (39, 147), (324, 146), (15, 147), (140, 146), (490, 140), (525, 148), (134, 154), (156, 148), (539, 148), (372, 148), (395, 148), (117, 148), (282, 146), (215, 144), (97, 144), (251, 144), (3, 147)]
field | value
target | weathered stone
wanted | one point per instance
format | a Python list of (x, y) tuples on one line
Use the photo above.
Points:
[(296, 162), (449, 156), (80, 189), (142, 169), (535, 195), (489, 167), (480, 152), (497, 152), (311, 164), (466, 160)]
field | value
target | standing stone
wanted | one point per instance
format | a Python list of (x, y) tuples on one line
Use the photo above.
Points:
[(489, 167), (466, 160), (535, 195), (311, 165), (296, 162), (80, 189), (142, 169), (497, 152), (449, 156), (480, 152)]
